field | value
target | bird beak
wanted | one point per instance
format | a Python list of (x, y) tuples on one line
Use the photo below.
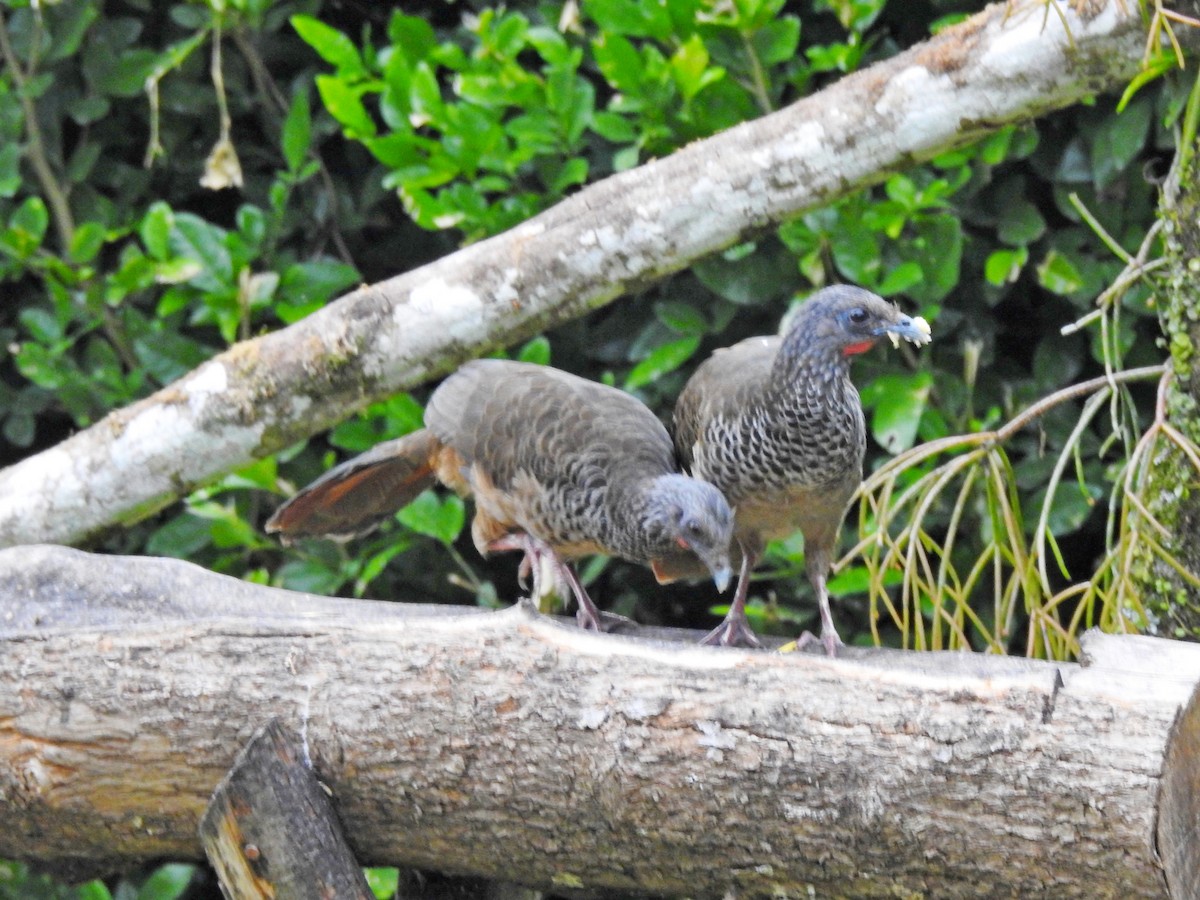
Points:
[(913, 329), (722, 573)]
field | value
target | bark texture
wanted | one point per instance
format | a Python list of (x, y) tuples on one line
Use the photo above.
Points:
[(511, 746), (270, 829), (1008, 64), (1173, 593)]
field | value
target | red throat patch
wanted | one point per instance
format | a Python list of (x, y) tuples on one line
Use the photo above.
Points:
[(855, 349)]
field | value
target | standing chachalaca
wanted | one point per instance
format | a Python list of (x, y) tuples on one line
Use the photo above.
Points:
[(559, 467), (776, 424)]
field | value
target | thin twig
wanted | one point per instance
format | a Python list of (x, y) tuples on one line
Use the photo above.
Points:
[(56, 194), (758, 84)]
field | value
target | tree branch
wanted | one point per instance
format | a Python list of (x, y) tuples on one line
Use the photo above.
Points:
[(1005, 65), (514, 747)]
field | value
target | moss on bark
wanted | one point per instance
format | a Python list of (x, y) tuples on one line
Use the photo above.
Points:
[(1172, 491)]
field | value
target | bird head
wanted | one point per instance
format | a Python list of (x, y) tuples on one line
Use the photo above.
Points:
[(693, 516), (848, 320)]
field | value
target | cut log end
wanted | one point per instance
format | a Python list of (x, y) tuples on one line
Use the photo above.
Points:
[(1179, 804), (271, 831)]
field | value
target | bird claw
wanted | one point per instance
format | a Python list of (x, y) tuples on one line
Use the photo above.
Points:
[(828, 639), (601, 622), (732, 632), (523, 571)]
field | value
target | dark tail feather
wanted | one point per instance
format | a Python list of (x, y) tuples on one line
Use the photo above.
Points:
[(355, 497)]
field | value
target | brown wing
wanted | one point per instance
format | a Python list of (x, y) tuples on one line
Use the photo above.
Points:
[(724, 385), (551, 444), (512, 417), (356, 496)]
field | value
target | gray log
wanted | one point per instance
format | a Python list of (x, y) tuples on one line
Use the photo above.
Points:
[(511, 746)]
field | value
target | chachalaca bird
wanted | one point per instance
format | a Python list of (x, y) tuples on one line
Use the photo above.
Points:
[(559, 468), (776, 424)]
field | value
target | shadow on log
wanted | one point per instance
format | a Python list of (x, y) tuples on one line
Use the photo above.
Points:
[(511, 746)]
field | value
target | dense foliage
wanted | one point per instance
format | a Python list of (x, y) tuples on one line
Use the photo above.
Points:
[(176, 177)]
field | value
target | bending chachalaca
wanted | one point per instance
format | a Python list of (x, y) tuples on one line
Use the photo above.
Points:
[(776, 425), (559, 468)]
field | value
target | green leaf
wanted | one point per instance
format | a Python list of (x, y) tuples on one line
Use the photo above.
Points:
[(631, 17), (681, 317), (1004, 266), (776, 42), (383, 882), (93, 890), (404, 413), (297, 131), (10, 168), (83, 161), (689, 65), (85, 111), (856, 251), (940, 249), (900, 279), (345, 104), (857, 580), (19, 429), (1020, 223), (70, 25), (155, 230), (252, 224), (182, 537), (176, 271), (536, 351), (316, 281), (193, 238), (42, 324), (662, 360), (766, 275), (1160, 64), (87, 241), (412, 35), (1058, 274), (167, 882), (168, 355), (31, 220), (311, 576), (898, 404), (438, 519), (374, 564), (1071, 506), (619, 63), (332, 46), (614, 127), (124, 73), (1119, 139)]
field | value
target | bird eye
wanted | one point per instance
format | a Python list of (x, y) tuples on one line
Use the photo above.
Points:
[(858, 315)]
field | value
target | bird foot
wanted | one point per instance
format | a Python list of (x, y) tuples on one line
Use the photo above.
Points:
[(828, 639), (601, 621), (732, 632)]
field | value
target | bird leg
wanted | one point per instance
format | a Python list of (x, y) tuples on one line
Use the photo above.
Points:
[(735, 630), (588, 615), (539, 559), (544, 562), (829, 637)]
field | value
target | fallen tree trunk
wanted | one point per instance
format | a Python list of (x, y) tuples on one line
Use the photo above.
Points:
[(1006, 65), (512, 746)]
